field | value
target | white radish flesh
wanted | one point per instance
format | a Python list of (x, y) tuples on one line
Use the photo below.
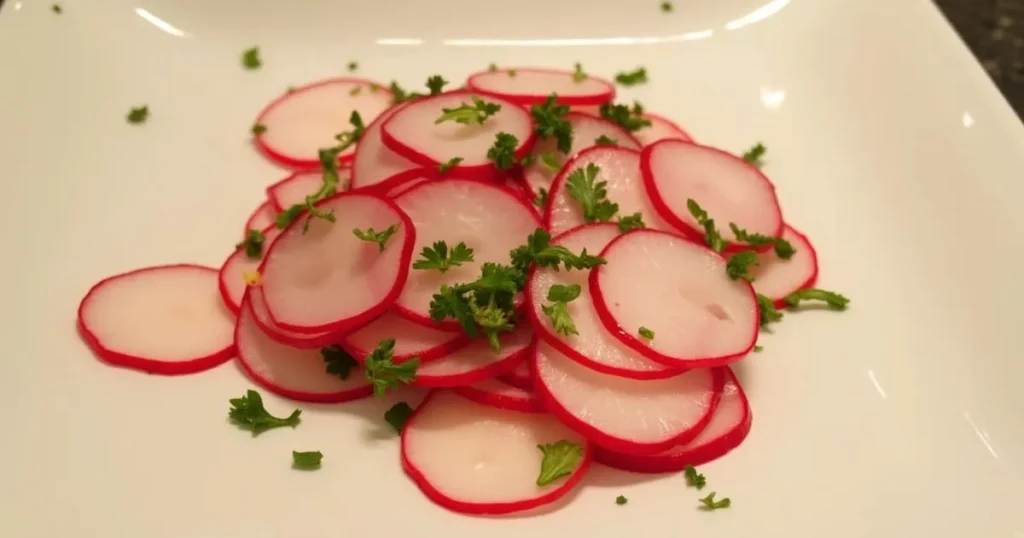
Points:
[(527, 86), (521, 376), (661, 128), (501, 395), (477, 459), (374, 163), (260, 219), (232, 274), (477, 361), (776, 278), (254, 301), (295, 188), (411, 339)]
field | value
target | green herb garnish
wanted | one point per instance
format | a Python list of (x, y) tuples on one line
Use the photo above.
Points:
[(449, 164), (605, 140), (754, 155), (621, 500), (398, 415), (758, 349), (57, 9), (139, 114), (549, 120), (739, 265), (579, 75), (582, 184), (253, 244), (766, 307), (628, 118), (666, 7), (693, 478), (467, 114), (373, 236), (560, 460), (709, 502), (632, 78), (631, 222), (783, 249), (399, 95), (383, 372), (539, 250), (259, 129), (712, 237), (492, 67), (251, 58), (541, 200), (646, 333), (436, 84), (248, 413), (558, 310), (439, 258), (503, 152), (339, 362), (550, 161), (352, 66), (306, 460), (834, 300)]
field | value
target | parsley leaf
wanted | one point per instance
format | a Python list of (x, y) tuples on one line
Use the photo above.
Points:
[(438, 257), (739, 265), (512, 73), (372, 236), (483, 306), (666, 7), (539, 250), (339, 362), (352, 66), (646, 333), (492, 320), (399, 95), (248, 412), (631, 222), (542, 198), (582, 185), (550, 161), (503, 152), (834, 300), (138, 114), (398, 415), (347, 138), (560, 460), (57, 9), (436, 84), (758, 349), (251, 58), (258, 129), (632, 78), (253, 244), (549, 120), (709, 502), (754, 155), (621, 500), (306, 460), (383, 373), (467, 114), (452, 302), (769, 314), (693, 478), (579, 75), (783, 249), (356, 90), (451, 163), (605, 140), (492, 67), (560, 297), (629, 118), (712, 237)]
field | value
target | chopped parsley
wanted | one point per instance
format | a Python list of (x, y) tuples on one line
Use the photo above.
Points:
[(605, 140), (832, 299), (436, 84), (347, 138), (57, 9), (353, 66), (398, 415), (356, 90), (558, 310), (306, 460), (550, 161), (758, 349), (712, 238), (339, 362), (621, 500), (449, 164), (739, 265), (373, 236), (248, 413), (646, 333), (492, 67), (768, 312), (754, 155), (631, 222), (503, 152), (259, 129), (666, 7), (579, 75), (383, 372), (709, 503), (538, 250), (632, 78), (438, 257), (251, 58), (560, 460), (541, 200), (549, 120), (468, 114), (484, 306), (592, 195), (629, 118), (138, 114), (693, 478), (399, 95), (512, 73), (783, 249), (253, 244)]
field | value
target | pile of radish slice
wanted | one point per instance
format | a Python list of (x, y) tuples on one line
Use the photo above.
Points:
[(632, 402)]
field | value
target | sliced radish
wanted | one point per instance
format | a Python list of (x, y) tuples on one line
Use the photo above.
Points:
[(620, 168), (727, 187), (488, 218), (594, 346), (231, 277), (586, 129), (527, 86), (661, 128), (776, 278), (477, 361), (728, 427), (306, 119), (501, 395), (412, 133), (624, 415), (679, 290), (167, 319), (402, 182), (411, 340), (261, 218), (299, 374), (373, 162), (295, 188), (521, 376), (326, 279), (254, 301), (478, 459)]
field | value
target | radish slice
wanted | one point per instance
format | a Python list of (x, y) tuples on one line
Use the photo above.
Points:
[(373, 162), (477, 361), (501, 395), (586, 129), (478, 459), (412, 133), (624, 415), (231, 277), (520, 377), (727, 187), (661, 128), (306, 119), (299, 374), (411, 340), (533, 86), (254, 301), (680, 291), (594, 346), (776, 278), (166, 319), (490, 219), (728, 427), (260, 219), (620, 168), (295, 188), (401, 183), (304, 270)]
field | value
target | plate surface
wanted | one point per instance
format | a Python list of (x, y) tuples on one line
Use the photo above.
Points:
[(901, 417)]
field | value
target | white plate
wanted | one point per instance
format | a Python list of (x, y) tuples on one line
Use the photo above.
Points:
[(901, 417)]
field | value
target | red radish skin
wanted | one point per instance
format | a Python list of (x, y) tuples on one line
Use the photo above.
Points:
[(728, 427), (299, 374), (620, 168), (624, 415), (303, 268), (166, 319), (594, 346), (231, 277), (521, 376), (661, 128), (477, 459), (477, 361), (730, 189), (412, 340), (532, 85), (374, 163), (306, 119), (260, 219), (700, 318), (501, 395), (253, 300), (776, 278), (412, 133), (489, 218), (401, 183), (296, 187)]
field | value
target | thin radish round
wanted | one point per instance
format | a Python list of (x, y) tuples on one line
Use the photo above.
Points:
[(166, 319), (776, 278), (402, 182), (477, 361), (412, 133), (299, 374), (501, 395), (373, 162), (728, 427), (253, 300), (593, 346), (624, 415), (661, 128), (678, 290), (527, 86), (262, 217), (620, 168), (306, 119), (412, 340), (478, 459), (521, 376), (304, 269), (586, 130), (296, 187), (232, 274), (488, 218), (730, 189)]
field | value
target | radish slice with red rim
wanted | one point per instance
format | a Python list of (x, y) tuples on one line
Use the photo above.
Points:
[(373, 162), (620, 168), (412, 340), (306, 119), (494, 393), (776, 278), (260, 219), (730, 189), (299, 374), (305, 268), (728, 427), (625, 415), (166, 319), (405, 181), (521, 376), (295, 188), (661, 128), (412, 133), (530, 85), (678, 290), (594, 346), (488, 218), (253, 300), (478, 459), (231, 277), (477, 361)]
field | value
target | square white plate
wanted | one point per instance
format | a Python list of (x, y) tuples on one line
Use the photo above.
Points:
[(901, 417)]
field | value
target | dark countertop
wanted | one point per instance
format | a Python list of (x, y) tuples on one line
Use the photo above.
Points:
[(994, 30)]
